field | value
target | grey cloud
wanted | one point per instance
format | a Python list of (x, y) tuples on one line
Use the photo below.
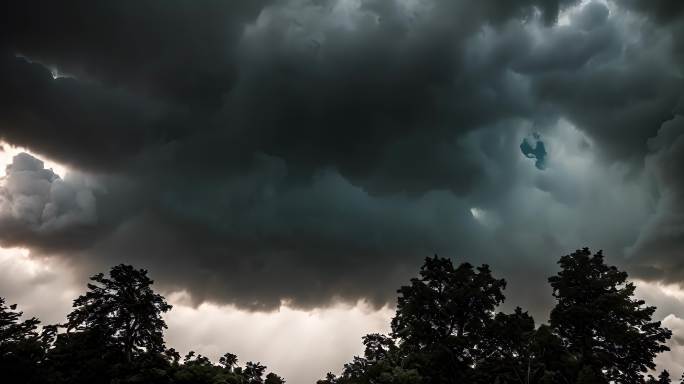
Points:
[(612, 85), (665, 11), (302, 243), (76, 122), (659, 247), (316, 150), (35, 202), (592, 16), (180, 52)]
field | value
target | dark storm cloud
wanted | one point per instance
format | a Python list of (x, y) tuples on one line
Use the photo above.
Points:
[(79, 123), (609, 85), (664, 11), (313, 150), (659, 250), (177, 50)]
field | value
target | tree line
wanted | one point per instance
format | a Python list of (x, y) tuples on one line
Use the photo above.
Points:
[(446, 330), (113, 335)]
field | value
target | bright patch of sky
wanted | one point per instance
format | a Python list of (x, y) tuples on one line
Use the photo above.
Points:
[(8, 151)]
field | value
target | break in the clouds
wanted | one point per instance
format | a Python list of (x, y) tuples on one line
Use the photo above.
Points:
[(533, 147), (311, 151)]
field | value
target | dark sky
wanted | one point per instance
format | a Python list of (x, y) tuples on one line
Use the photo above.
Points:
[(308, 151)]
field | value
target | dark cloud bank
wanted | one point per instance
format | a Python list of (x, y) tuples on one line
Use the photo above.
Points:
[(309, 151)]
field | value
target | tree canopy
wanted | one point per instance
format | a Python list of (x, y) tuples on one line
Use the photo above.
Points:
[(114, 334), (22, 347), (124, 309), (446, 330), (608, 331)]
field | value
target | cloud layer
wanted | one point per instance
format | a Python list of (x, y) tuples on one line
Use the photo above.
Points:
[(307, 151)]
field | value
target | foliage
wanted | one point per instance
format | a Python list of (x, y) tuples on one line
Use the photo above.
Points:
[(663, 378), (442, 315), (609, 332), (446, 330), (123, 309), (114, 335), (22, 347)]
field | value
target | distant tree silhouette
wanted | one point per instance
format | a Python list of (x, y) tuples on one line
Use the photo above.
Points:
[(610, 333), (254, 372), (228, 360), (663, 378), (123, 308), (197, 369), (330, 378), (382, 362), (272, 378)]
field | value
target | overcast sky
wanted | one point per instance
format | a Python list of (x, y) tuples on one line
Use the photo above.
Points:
[(282, 167)]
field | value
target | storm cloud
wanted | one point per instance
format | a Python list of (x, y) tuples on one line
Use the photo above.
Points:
[(306, 151)]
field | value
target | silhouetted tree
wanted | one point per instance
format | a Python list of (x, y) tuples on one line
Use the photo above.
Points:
[(330, 378), (383, 362), (114, 335), (124, 308), (229, 361), (611, 334), (12, 330), (83, 358), (378, 347), (272, 378), (445, 331), (507, 354), (254, 372), (22, 347), (197, 369), (550, 361), (590, 375), (442, 316), (663, 378)]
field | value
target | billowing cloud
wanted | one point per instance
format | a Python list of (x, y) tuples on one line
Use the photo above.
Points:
[(660, 246), (182, 52), (311, 151), (36, 203)]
